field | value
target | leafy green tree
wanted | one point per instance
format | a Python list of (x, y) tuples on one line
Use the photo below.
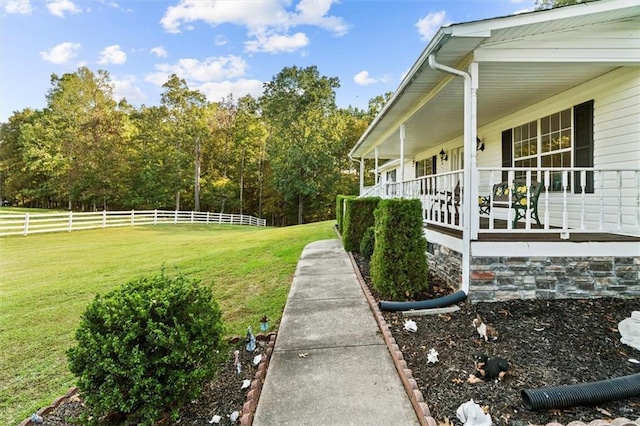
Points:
[(151, 162), (77, 140), (20, 180), (377, 103), (186, 128), (552, 4), (250, 136), (299, 107)]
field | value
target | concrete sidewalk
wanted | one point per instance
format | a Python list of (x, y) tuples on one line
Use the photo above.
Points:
[(330, 365)]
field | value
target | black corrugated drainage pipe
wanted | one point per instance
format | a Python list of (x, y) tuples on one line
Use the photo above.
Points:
[(582, 394), (439, 302)]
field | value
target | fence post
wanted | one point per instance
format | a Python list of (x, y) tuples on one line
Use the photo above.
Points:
[(26, 224), (104, 219), (192, 215), (70, 220), (133, 215), (207, 217), (155, 217), (175, 216)]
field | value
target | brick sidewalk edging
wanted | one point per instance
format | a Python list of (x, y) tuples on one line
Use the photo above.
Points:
[(56, 402), (249, 407)]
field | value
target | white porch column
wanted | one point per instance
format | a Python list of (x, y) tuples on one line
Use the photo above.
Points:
[(471, 205), (402, 160), (361, 174), (376, 171)]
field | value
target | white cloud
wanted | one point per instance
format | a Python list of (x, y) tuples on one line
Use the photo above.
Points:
[(428, 25), (60, 7), (220, 40), (314, 12), (364, 79), (115, 5), (277, 43), (211, 69), (61, 53), (255, 15), (239, 88), (126, 87), (21, 7), (112, 55), (518, 12), (159, 51), (268, 21)]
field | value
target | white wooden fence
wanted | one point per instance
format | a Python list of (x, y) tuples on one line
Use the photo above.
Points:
[(32, 223)]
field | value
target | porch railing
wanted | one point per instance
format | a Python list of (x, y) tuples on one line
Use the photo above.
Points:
[(572, 200)]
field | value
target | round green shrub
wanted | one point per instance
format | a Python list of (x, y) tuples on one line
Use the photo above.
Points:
[(367, 243), (147, 348)]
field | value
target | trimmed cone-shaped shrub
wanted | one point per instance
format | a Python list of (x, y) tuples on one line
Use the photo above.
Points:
[(147, 348), (358, 217), (340, 204), (367, 243), (399, 262)]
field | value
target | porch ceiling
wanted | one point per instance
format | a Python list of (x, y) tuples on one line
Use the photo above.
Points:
[(504, 88), (523, 59)]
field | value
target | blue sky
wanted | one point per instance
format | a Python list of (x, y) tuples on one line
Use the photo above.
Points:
[(220, 46)]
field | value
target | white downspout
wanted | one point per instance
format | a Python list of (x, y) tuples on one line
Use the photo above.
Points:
[(470, 120)]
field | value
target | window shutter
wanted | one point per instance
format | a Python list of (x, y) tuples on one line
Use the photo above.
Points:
[(507, 152), (434, 162), (583, 144)]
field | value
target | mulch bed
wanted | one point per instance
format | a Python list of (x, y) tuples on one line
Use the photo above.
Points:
[(222, 396), (546, 342)]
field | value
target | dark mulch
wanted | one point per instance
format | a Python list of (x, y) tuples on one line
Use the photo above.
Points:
[(547, 343), (221, 396)]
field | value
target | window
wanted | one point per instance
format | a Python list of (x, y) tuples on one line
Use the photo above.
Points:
[(391, 176), (426, 167), (560, 140)]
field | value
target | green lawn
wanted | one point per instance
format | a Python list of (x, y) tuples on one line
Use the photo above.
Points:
[(47, 280)]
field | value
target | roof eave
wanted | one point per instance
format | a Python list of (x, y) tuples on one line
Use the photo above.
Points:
[(434, 45)]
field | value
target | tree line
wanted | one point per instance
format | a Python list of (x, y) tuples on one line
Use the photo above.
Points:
[(282, 156)]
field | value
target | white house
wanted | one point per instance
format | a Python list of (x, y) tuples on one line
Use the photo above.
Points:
[(549, 97)]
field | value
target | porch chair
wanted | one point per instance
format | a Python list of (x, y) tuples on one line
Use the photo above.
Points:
[(500, 198), (447, 199)]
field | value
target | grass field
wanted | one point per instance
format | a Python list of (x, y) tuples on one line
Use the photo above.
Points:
[(47, 280)]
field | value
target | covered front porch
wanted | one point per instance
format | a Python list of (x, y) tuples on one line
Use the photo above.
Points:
[(587, 244), (519, 135)]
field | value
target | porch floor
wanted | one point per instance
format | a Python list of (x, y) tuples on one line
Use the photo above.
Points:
[(532, 236)]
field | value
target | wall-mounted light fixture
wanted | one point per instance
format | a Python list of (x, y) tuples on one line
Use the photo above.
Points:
[(479, 144), (443, 156)]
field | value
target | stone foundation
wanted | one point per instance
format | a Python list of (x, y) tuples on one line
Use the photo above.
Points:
[(445, 263), (500, 278)]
